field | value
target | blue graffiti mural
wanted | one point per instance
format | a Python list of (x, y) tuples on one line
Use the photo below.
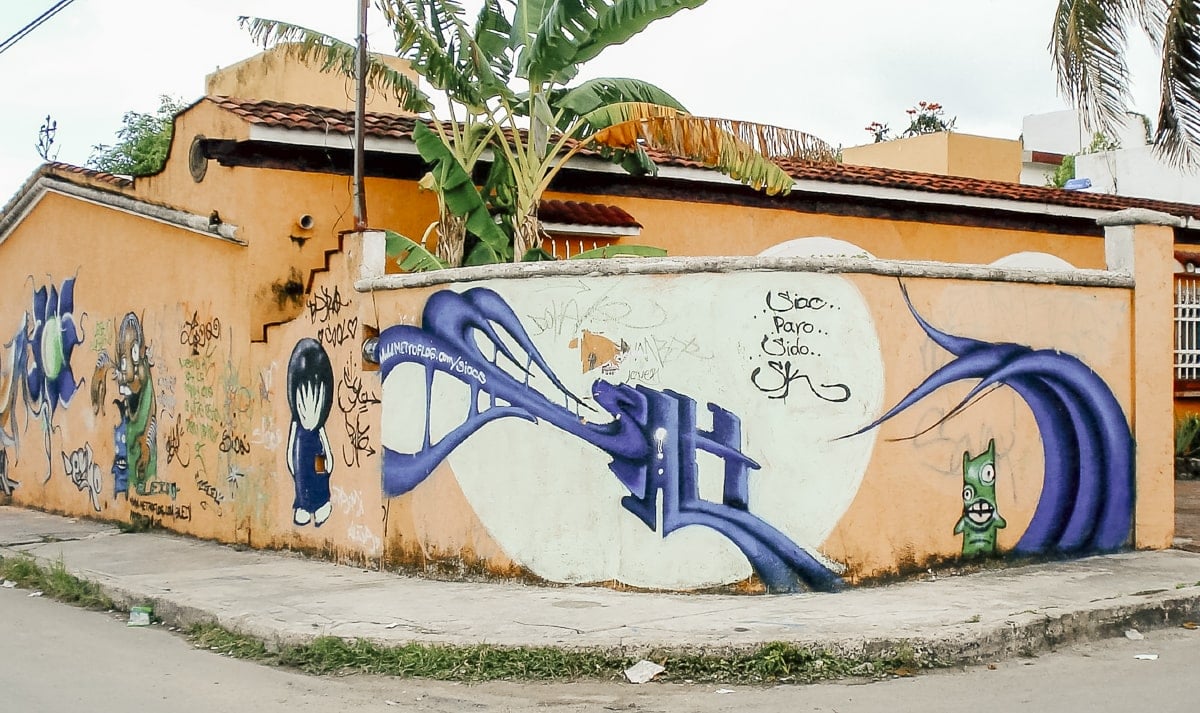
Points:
[(652, 438), (1086, 504), (39, 363)]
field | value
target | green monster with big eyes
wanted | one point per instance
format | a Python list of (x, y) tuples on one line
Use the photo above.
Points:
[(980, 520)]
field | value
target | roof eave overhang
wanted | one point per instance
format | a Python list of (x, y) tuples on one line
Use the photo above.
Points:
[(576, 230), (36, 190), (275, 134)]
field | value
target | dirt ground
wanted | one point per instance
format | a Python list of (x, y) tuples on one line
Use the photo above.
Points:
[(1187, 515)]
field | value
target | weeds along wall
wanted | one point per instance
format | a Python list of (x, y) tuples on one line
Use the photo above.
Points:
[(687, 424)]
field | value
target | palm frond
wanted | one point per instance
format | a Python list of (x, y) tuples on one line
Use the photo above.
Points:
[(335, 55), (1152, 16), (1088, 50), (1178, 136)]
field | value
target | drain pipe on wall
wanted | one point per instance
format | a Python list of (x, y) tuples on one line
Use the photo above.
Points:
[(360, 103)]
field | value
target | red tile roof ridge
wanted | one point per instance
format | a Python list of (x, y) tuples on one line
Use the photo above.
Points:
[(59, 167), (401, 125), (59, 170)]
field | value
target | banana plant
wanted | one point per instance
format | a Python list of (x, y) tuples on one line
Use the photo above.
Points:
[(506, 80), (544, 123)]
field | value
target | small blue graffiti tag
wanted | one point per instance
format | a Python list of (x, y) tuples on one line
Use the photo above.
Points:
[(652, 438)]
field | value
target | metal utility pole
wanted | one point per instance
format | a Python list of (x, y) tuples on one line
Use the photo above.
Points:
[(360, 105)]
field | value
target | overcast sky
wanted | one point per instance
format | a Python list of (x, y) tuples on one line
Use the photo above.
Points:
[(829, 68)]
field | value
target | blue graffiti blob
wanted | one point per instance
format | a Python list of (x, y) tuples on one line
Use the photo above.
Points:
[(1086, 504), (55, 336), (652, 437)]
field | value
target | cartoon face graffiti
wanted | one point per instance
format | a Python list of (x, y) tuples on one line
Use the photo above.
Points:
[(980, 520), (309, 458), (130, 368)]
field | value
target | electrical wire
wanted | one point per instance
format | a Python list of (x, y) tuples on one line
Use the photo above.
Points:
[(33, 24)]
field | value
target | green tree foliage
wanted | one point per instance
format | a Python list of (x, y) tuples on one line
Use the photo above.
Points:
[(142, 141), (1066, 170)]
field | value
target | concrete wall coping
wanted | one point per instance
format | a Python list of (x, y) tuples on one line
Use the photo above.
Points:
[(1140, 216), (690, 265)]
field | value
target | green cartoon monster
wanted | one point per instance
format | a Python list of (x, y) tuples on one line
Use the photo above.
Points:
[(980, 521)]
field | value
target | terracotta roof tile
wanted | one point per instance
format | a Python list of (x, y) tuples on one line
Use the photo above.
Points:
[(577, 213), (397, 126), (91, 174), (297, 116)]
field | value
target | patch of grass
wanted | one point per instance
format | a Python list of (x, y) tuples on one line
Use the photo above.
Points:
[(54, 581), (229, 643), (773, 662)]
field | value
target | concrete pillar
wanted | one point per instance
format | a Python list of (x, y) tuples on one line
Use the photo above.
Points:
[(373, 257), (1141, 243)]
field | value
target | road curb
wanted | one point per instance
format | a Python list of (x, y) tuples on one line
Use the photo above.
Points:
[(1025, 634)]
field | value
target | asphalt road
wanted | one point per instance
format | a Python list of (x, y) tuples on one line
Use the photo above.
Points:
[(54, 657)]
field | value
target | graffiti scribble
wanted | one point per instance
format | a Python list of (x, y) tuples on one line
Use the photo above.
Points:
[(84, 473)]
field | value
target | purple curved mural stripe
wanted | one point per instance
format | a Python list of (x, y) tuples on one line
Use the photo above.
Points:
[(653, 438), (1086, 504)]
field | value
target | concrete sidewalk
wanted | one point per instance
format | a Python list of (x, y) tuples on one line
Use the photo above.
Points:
[(288, 598)]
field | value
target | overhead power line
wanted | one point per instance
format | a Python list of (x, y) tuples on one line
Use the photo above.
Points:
[(34, 24)]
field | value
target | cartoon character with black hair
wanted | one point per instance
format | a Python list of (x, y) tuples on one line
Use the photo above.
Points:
[(309, 458)]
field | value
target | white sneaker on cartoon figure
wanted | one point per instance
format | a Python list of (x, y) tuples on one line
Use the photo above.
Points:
[(322, 514), (301, 517)]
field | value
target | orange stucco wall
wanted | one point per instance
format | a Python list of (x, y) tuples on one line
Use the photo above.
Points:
[(219, 388), (228, 409)]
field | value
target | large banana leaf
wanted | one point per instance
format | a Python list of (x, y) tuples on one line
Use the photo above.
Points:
[(457, 189), (571, 32), (742, 150), (336, 55), (588, 97), (409, 254), (618, 250), (469, 65), (492, 32)]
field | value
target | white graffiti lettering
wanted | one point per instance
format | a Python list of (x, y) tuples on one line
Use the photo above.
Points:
[(84, 473)]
